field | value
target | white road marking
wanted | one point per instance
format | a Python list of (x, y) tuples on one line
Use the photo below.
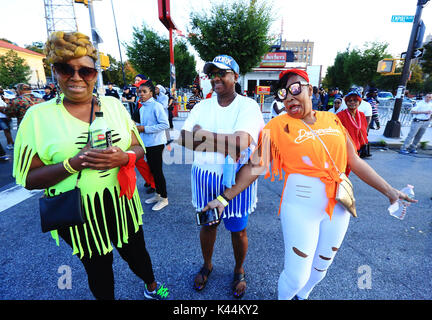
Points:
[(14, 195)]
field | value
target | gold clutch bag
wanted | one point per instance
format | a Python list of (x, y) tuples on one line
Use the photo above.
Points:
[(345, 194), (345, 190)]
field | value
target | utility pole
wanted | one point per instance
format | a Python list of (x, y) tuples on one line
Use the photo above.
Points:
[(393, 127), (96, 40), (165, 18), (59, 16)]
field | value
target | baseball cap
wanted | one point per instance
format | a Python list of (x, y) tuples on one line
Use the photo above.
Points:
[(222, 62), (143, 77), (353, 93), (299, 72)]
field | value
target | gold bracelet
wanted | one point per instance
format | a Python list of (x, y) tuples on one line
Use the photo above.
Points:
[(68, 167), (222, 200)]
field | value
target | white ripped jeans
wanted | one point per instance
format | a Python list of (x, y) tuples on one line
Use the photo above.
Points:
[(311, 239)]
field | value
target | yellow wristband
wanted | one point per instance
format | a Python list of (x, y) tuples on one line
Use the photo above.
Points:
[(222, 200), (68, 167)]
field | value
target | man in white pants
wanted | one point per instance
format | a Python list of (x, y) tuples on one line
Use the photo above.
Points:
[(420, 122)]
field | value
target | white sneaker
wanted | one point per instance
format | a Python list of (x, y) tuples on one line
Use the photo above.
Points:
[(162, 203), (153, 199)]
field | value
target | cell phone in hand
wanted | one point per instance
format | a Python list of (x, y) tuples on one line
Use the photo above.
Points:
[(206, 217), (109, 138)]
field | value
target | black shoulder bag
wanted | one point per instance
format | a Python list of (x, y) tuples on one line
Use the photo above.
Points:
[(65, 209)]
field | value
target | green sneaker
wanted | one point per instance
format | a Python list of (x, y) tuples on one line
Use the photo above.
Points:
[(160, 293)]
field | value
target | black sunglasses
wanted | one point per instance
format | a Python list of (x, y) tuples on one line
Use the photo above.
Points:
[(220, 74), (66, 70), (294, 88)]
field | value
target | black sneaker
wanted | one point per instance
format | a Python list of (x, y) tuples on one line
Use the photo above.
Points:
[(150, 190)]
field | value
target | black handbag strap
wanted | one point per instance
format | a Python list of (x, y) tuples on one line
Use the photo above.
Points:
[(88, 137)]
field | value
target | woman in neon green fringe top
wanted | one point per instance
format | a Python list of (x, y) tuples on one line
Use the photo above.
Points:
[(51, 149)]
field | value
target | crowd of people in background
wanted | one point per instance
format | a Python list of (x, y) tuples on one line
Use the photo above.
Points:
[(223, 114)]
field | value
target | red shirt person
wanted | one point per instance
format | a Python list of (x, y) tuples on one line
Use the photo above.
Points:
[(354, 121)]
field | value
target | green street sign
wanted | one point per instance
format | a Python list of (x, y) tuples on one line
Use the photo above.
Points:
[(401, 18)]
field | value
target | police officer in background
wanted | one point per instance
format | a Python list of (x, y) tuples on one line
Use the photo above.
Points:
[(111, 92)]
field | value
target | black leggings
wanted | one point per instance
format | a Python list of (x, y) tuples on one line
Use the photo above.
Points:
[(99, 267), (154, 160)]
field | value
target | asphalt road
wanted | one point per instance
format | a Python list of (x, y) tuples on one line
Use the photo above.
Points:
[(380, 258)]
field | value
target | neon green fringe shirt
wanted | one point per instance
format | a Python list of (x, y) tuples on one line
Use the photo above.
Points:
[(52, 133)]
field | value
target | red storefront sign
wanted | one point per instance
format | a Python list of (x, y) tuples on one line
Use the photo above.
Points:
[(274, 60), (262, 90)]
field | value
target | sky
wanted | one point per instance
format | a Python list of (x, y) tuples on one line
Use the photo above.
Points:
[(332, 25)]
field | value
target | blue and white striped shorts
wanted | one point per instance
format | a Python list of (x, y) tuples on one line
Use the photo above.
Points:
[(207, 185)]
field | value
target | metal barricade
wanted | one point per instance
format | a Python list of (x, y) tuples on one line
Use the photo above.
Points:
[(385, 113)]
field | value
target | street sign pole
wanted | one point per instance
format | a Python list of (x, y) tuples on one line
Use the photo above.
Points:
[(96, 40), (165, 18), (393, 127)]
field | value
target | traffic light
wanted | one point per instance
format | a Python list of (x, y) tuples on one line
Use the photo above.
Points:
[(82, 1), (104, 61), (386, 66)]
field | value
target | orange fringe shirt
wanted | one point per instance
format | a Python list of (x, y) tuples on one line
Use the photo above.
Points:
[(287, 144)]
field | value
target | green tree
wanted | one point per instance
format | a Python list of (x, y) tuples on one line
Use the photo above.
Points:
[(336, 75), (185, 65), (427, 85), (426, 62), (369, 56), (236, 28), (13, 69), (149, 54), (415, 84), (38, 46), (114, 73), (356, 66)]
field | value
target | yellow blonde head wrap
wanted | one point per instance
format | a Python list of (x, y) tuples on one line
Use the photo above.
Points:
[(64, 46)]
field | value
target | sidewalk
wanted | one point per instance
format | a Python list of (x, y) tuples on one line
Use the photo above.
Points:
[(377, 137)]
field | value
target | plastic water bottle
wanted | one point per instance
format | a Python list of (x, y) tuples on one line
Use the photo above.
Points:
[(399, 208), (100, 135)]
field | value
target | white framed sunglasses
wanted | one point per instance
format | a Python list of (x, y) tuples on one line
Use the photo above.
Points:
[(294, 88)]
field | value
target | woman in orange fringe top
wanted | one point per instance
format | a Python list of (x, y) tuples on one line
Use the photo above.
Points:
[(313, 223)]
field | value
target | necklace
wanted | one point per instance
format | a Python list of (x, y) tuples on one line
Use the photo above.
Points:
[(354, 121)]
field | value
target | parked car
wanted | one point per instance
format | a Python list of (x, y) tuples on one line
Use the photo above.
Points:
[(384, 97), (9, 94), (38, 93), (408, 103)]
